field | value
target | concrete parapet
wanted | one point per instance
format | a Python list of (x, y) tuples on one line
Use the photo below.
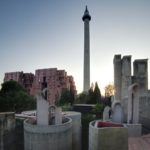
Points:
[(107, 138), (48, 137), (76, 128)]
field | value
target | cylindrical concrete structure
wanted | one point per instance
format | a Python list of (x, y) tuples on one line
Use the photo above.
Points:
[(51, 137), (76, 128)]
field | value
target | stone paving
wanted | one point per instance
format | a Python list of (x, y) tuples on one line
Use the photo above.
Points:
[(139, 143)]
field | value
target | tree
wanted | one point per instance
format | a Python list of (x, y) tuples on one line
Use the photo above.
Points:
[(109, 90), (81, 98), (98, 110), (93, 96), (97, 94), (13, 97), (90, 96), (66, 98)]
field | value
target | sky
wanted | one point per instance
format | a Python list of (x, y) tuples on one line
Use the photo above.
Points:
[(36, 34)]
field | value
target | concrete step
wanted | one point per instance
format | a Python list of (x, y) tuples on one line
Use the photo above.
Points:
[(139, 143)]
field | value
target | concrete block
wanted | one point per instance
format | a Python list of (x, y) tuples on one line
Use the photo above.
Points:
[(107, 138)]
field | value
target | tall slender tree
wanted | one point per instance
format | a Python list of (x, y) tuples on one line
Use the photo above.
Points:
[(97, 93)]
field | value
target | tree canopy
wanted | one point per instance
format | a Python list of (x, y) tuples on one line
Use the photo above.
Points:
[(67, 97), (93, 96), (109, 90), (13, 97)]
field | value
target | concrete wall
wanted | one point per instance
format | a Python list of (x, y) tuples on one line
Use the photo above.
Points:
[(141, 74), (144, 110), (76, 129), (108, 138), (125, 108), (51, 137), (7, 131), (19, 135), (134, 130), (126, 76)]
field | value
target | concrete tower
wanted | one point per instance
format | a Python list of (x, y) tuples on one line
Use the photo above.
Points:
[(117, 76), (141, 74), (126, 76), (86, 18)]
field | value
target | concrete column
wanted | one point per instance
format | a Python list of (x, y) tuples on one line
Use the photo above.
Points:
[(58, 116), (126, 76), (42, 111), (86, 55), (86, 77), (117, 77), (133, 104)]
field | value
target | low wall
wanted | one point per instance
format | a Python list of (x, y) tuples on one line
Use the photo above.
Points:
[(107, 138), (7, 131), (51, 137), (144, 111), (83, 108)]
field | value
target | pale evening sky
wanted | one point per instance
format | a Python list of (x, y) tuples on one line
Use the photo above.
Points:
[(38, 34)]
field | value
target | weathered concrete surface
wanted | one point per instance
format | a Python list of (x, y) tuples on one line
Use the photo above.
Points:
[(86, 83), (134, 130), (144, 110), (109, 138), (19, 136), (51, 137), (133, 104), (76, 129), (42, 110), (140, 73), (139, 143), (106, 113), (126, 76), (117, 76), (117, 113), (7, 131)]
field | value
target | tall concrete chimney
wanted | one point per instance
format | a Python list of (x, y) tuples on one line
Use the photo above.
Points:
[(86, 18)]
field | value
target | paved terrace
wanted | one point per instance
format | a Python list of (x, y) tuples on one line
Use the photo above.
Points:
[(140, 143)]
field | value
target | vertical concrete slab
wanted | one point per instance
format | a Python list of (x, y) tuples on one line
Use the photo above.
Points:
[(133, 104), (117, 114), (117, 76), (106, 113), (42, 111)]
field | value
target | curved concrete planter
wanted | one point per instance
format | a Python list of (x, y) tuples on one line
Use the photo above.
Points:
[(51, 137)]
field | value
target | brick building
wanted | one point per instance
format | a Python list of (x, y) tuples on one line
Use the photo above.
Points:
[(56, 81), (24, 79)]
